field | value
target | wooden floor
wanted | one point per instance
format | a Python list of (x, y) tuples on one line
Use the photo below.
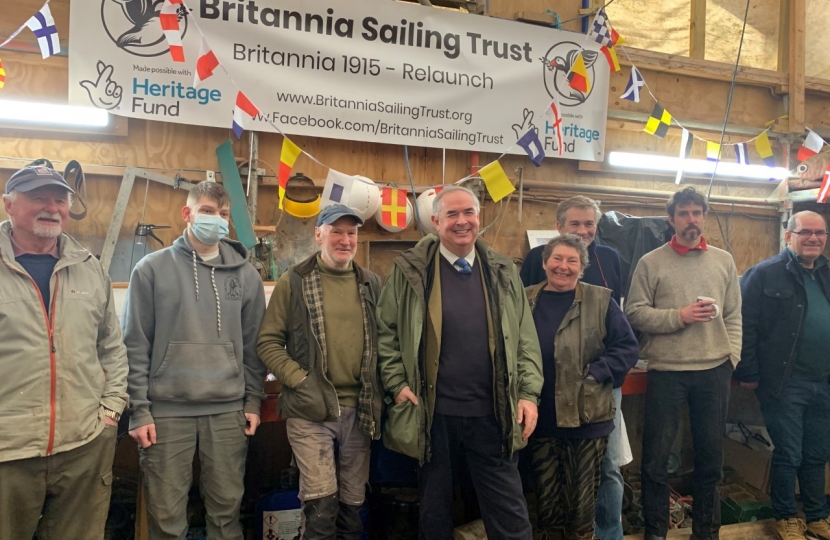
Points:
[(756, 530)]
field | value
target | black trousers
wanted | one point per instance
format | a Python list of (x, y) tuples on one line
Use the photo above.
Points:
[(707, 395), (495, 478)]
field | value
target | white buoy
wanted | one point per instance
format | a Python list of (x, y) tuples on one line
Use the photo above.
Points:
[(363, 198), (424, 209)]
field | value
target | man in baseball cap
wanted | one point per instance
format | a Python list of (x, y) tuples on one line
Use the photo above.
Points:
[(330, 214), (64, 364), (29, 178), (319, 338)]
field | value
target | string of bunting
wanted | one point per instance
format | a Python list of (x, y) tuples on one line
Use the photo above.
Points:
[(498, 185), (660, 120), (338, 185), (43, 26)]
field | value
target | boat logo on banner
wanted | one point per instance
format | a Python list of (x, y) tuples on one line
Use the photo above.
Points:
[(133, 25), (557, 64)]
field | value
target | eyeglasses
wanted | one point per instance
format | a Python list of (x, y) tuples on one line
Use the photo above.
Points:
[(807, 233)]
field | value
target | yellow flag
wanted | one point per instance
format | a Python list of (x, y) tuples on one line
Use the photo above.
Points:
[(712, 151), (288, 156), (765, 149), (496, 181)]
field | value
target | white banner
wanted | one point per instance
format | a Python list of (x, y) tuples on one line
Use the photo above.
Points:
[(367, 70)]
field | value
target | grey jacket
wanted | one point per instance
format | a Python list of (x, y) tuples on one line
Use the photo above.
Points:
[(57, 372), (190, 328)]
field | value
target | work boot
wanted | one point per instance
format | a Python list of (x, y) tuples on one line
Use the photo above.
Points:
[(319, 518), (349, 524), (790, 529), (819, 529)]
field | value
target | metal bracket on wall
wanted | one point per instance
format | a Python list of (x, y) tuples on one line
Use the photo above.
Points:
[(123, 199)]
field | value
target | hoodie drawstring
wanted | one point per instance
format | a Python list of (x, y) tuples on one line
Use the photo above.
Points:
[(195, 273), (215, 292), (218, 306)]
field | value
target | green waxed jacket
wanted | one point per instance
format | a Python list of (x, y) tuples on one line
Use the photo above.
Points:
[(402, 318)]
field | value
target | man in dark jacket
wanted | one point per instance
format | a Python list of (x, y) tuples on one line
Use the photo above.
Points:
[(319, 338), (786, 314), (460, 358), (190, 323), (580, 215)]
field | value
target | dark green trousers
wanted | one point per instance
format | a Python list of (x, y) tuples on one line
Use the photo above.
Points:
[(167, 472), (64, 496)]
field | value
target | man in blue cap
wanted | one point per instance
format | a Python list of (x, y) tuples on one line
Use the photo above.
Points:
[(63, 373), (319, 338)]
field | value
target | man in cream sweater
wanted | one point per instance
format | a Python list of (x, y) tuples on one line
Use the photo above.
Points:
[(686, 300)]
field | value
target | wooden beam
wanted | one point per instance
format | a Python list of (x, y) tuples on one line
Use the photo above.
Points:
[(697, 30), (702, 69), (798, 22), (754, 530), (783, 35)]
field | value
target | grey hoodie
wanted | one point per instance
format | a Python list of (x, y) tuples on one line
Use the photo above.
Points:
[(191, 329)]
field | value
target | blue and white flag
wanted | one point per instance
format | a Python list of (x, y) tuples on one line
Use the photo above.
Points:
[(601, 30), (338, 189), (43, 26), (635, 83), (533, 146), (741, 151)]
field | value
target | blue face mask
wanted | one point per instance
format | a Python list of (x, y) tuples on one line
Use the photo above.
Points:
[(208, 229)]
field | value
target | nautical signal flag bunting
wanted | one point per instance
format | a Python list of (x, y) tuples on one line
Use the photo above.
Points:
[(659, 122), (43, 26), (243, 108), (712, 151), (393, 207), (812, 145), (578, 76), (765, 149), (288, 156), (169, 19), (205, 64), (496, 181), (824, 190)]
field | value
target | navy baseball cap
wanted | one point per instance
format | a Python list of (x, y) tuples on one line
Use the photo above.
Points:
[(29, 178), (330, 214)]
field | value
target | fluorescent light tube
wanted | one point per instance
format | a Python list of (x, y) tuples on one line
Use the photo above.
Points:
[(700, 167), (32, 112)]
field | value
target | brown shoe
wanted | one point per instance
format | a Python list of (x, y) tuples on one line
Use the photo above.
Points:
[(819, 529), (791, 529)]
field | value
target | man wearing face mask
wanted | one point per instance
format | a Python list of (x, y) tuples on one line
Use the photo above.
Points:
[(190, 321)]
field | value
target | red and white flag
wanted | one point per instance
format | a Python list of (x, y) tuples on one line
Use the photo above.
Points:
[(205, 64), (824, 190), (243, 108), (169, 19), (812, 145), (553, 123)]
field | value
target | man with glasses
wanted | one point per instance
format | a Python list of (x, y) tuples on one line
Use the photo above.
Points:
[(786, 314)]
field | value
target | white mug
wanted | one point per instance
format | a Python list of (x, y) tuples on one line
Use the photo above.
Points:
[(710, 300)]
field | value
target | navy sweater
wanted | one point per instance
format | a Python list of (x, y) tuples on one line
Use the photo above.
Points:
[(603, 268), (40, 268), (621, 353)]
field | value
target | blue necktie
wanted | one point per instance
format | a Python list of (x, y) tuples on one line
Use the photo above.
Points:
[(463, 266)]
